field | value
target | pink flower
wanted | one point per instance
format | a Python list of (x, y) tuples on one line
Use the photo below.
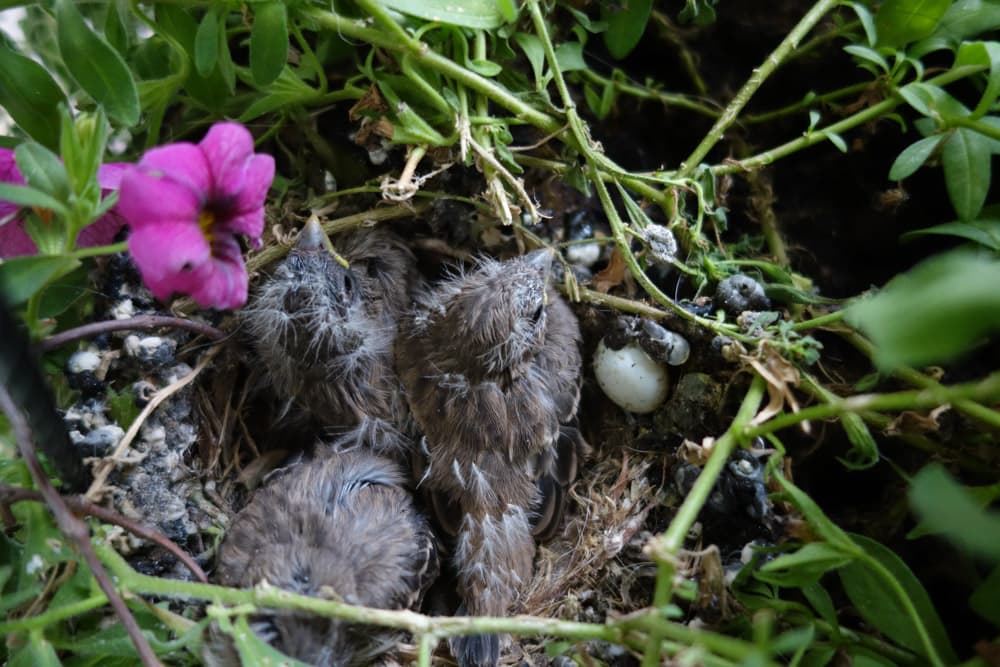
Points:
[(14, 241), (186, 204)]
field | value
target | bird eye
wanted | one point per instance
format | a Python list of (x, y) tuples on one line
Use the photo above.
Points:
[(537, 315)]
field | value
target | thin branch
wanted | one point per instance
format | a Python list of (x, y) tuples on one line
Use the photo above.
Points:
[(104, 468), (81, 506), (757, 78), (72, 527), (142, 322)]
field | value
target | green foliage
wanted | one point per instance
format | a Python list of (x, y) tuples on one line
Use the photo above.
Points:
[(95, 66), (467, 77), (625, 25), (949, 510), (31, 97), (933, 313), (268, 41)]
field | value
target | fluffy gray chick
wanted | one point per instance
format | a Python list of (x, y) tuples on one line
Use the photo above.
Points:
[(491, 366), (342, 527), (324, 335)]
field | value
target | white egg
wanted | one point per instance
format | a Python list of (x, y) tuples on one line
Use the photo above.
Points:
[(630, 377)]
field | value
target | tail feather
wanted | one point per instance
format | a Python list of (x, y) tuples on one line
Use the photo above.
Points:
[(493, 557)]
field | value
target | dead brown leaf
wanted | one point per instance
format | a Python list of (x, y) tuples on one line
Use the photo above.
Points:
[(780, 376), (611, 275)]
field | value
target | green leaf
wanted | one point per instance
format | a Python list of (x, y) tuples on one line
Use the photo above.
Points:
[(949, 510), (867, 21), (869, 55), (482, 14), (933, 313), (864, 450), (22, 277), (42, 170), (836, 140), (36, 653), (96, 66), (534, 51), (900, 22), (966, 161), (253, 650), (206, 43), (625, 26), (967, 18), (207, 90), (803, 567), (122, 407), (484, 67), (984, 231), (268, 41), (507, 9), (288, 89), (985, 600), (114, 28), (986, 54), (821, 601), (28, 197), (31, 97), (913, 157), (877, 600), (569, 56)]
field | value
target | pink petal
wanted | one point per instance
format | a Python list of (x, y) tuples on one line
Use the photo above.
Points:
[(182, 163), (169, 256), (110, 175), (147, 200), (9, 173), (259, 175), (250, 223), (224, 284), (227, 147), (14, 241), (100, 232)]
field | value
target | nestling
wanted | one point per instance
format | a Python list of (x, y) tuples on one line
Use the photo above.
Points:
[(342, 527), (491, 367), (324, 334)]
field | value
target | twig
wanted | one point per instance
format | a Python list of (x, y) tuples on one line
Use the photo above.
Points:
[(664, 548), (72, 527), (80, 505), (106, 465), (142, 322), (757, 78)]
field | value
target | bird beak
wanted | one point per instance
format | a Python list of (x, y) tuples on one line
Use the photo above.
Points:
[(540, 259), (314, 238)]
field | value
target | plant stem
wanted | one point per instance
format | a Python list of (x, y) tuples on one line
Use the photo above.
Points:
[(759, 75), (932, 396), (982, 128), (665, 547), (100, 250), (820, 135), (42, 621), (802, 105), (645, 93), (971, 408)]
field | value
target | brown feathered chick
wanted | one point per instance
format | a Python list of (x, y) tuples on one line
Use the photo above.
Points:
[(491, 364), (341, 527), (324, 334)]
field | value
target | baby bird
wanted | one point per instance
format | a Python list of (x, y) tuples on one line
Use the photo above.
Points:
[(324, 334), (491, 366), (341, 527)]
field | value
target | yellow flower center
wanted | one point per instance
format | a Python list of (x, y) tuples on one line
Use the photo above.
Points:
[(205, 221)]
